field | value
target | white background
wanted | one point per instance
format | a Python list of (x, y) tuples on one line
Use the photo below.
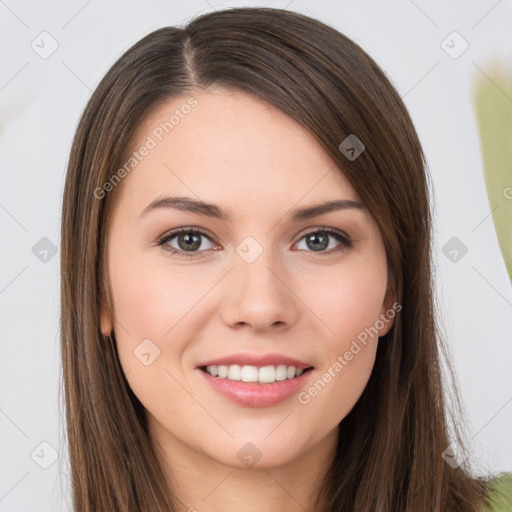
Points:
[(42, 99)]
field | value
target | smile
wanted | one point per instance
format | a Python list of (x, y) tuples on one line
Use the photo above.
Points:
[(249, 373)]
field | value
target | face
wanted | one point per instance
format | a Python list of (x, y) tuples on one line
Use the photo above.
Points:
[(261, 286)]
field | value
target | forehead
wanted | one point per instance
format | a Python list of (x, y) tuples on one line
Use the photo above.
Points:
[(227, 144)]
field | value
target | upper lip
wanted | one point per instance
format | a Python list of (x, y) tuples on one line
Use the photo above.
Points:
[(247, 359)]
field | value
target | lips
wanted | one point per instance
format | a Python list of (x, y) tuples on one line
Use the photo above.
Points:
[(247, 359), (256, 395)]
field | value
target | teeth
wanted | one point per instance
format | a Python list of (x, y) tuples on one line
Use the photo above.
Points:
[(265, 374)]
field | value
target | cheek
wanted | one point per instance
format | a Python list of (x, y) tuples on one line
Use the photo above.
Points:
[(338, 385), (348, 301), (149, 299), (156, 302), (151, 304), (349, 308)]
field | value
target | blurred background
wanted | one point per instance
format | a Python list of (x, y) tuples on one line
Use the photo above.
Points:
[(452, 64)]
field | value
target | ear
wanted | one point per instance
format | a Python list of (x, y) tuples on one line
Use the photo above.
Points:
[(390, 307), (106, 323)]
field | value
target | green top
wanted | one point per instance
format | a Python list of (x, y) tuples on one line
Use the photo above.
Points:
[(499, 498)]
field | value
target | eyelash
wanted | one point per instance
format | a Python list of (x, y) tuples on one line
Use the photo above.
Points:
[(345, 241)]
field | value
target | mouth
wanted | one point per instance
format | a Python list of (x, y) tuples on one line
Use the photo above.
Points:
[(253, 386), (255, 374)]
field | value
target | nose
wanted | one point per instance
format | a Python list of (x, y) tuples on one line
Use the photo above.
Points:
[(260, 296)]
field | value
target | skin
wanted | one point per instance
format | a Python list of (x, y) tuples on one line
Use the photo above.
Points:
[(257, 163)]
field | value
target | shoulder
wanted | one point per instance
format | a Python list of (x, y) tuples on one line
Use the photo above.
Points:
[(499, 494)]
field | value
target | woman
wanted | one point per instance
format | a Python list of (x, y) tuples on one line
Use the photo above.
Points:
[(247, 300)]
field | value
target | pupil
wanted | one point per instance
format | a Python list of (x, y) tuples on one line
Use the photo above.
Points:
[(314, 237), (188, 238)]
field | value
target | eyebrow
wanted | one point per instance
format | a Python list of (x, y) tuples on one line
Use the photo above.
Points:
[(211, 210)]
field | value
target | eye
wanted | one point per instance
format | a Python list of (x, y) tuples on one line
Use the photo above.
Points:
[(318, 240), (189, 241)]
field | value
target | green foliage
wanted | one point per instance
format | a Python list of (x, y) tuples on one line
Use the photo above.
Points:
[(499, 498), (492, 96)]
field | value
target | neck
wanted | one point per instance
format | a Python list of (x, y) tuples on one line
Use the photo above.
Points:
[(202, 484)]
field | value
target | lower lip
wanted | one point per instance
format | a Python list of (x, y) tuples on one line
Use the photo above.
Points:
[(252, 394)]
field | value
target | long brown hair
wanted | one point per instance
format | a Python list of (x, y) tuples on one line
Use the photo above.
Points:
[(389, 456)]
